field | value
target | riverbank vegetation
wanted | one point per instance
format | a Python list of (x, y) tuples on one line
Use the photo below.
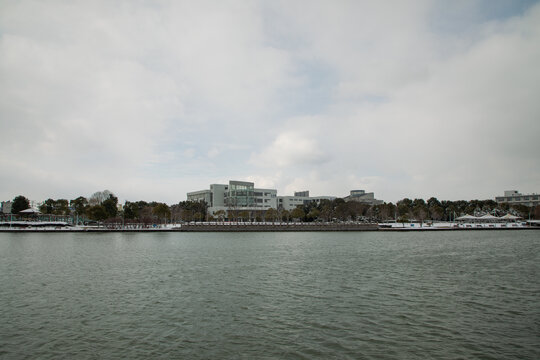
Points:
[(103, 206)]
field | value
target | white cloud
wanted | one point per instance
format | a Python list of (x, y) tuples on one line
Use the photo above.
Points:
[(165, 97), (462, 129), (291, 148)]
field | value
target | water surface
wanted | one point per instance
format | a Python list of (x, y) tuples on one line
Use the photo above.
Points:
[(365, 295)]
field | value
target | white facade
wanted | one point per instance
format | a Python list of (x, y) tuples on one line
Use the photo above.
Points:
[(363, 197), (300, 198), (237, 195), (240, 196), (513, 197)]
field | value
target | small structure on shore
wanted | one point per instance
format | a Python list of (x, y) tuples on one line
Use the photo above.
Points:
[(487, 218)]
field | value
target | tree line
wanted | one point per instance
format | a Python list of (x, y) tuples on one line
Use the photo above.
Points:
[(102, 206)]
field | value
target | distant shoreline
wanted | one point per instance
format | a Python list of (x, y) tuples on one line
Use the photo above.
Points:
[(261, 228)]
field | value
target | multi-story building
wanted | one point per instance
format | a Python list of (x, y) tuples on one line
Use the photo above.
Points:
[(363, 197), (513, 197), (238, 196), (242, 196), (300, 198)]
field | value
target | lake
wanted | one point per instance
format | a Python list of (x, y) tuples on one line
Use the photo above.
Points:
[(363, 295)]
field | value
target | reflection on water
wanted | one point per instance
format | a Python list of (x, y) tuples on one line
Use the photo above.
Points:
[(270, 295)]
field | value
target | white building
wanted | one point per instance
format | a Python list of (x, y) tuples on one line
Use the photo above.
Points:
[(363, 197), (238, 196), (300, 198), (241, 196), (513, 197)]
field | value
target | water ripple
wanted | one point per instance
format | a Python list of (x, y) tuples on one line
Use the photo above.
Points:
[(458, 295)]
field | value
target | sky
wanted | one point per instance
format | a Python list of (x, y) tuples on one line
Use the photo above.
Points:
[(153, 99)]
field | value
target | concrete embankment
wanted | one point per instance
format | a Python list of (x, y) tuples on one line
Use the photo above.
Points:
[(276, 227), (283, 227)]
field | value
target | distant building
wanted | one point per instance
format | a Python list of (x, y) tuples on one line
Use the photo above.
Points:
[(240, 196), (363, 197), (5, 207), (237, 195), (300, 198), (513, 197)]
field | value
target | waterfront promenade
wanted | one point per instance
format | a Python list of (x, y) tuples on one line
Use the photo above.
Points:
[(260, 227)]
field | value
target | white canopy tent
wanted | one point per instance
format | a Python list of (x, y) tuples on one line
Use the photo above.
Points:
[(488, 217), (29, 211), (509, 217), (466, 217)]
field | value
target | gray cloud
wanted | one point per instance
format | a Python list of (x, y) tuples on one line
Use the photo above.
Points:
[(154, 100)]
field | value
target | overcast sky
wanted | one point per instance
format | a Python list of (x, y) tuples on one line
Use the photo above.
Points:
[(152, 99)]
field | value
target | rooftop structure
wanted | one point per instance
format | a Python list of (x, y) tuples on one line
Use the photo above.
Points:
[(362, 197), (513, 197)]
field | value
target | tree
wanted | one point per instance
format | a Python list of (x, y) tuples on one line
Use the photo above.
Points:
[(313, 214), (436, 212), (402, 209), (61, 207), (97, 213), (79, 205), (270, 214), (420, 212), (418, 202), (298, 213), (327, 210), (47, 207), (111, 206), (403, 219), (198, 216), (19, 204), (131, 210), (188, 209), (243, 215), (522, 210), (55, 207), (162, 211), (433, 201), (99, 197), (285, 215), (407, 202)]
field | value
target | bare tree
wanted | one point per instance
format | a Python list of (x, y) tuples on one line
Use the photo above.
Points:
[(99, 197)]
